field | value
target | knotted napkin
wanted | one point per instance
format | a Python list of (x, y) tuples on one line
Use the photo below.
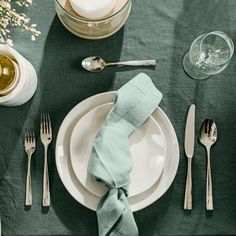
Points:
[(111, 160)]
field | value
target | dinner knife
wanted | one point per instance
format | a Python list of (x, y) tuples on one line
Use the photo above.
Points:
[(189, 150)]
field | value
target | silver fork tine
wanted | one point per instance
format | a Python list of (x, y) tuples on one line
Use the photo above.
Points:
[(26, 136), (49, 124), (30, 136), (45, 123), (33, 137), (41, 123)]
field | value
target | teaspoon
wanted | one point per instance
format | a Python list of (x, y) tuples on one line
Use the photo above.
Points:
[(96, 64), (208, 136)]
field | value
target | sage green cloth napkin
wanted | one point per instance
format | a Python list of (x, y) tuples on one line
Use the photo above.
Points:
[(111, 161)]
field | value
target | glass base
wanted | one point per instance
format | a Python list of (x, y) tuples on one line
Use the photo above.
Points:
[(191, 70)]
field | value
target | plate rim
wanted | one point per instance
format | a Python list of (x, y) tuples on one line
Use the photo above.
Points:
[(134, 207)]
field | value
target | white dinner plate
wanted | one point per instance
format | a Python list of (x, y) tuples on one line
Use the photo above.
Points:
[(73, 185), (147, 147)]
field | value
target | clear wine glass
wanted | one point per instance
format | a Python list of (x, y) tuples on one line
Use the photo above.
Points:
[(208, 55)]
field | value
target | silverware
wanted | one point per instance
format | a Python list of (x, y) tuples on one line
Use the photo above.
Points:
[(208, 136), (96, 64), (30, 145), (189, 150), (46, 138)]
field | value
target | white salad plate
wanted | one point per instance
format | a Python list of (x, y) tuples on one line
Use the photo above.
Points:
[(146, 143), (72, 183)]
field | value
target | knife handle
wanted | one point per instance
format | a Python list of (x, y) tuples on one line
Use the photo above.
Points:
[(188, 187)]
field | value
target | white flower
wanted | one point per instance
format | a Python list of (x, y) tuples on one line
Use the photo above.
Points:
[(10, 17), (5, 4), (4, 22), (9, 42)]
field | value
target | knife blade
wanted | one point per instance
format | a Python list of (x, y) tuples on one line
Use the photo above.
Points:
[(189, 150), (190, 132)]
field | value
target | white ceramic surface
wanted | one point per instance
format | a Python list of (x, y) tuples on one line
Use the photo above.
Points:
[(147, 147), (93, 9), (27, 84), (73, 185)]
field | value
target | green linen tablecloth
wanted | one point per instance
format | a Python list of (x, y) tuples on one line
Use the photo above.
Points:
[(155, 29)]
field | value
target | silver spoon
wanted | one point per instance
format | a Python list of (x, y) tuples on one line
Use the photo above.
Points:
[(96, 64), (208, 136)]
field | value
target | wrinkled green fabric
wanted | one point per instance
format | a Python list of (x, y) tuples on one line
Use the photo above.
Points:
[(156, 29), (111, 161)]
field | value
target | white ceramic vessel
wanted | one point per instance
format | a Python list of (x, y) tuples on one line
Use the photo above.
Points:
[(27, 84), (93, 9)]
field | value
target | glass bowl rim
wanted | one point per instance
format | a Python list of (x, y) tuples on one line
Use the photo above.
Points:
[(93, 20), (220, 34), (223, 36)]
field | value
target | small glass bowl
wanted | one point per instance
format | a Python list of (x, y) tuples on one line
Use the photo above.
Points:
[(92, 29)]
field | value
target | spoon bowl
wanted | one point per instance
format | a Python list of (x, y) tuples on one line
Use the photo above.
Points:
[(93, 64), (208, 136), (208, 133)]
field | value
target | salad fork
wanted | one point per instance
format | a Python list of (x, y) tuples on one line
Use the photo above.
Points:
[(30, 145), (46, 138)]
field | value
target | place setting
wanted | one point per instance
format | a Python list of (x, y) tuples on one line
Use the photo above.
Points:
[(150, 145), (153, 147)]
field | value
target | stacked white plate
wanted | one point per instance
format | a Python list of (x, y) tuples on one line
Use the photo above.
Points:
[(154, 148)]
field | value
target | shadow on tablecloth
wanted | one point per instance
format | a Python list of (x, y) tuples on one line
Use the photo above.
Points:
[(200, 17), (63, 84), (167, 216)]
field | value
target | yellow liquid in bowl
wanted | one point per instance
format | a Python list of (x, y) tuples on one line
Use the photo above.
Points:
[(7, 72)]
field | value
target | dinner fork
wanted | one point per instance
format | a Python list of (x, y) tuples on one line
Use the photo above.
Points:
[(46, 138), (29, 149)]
